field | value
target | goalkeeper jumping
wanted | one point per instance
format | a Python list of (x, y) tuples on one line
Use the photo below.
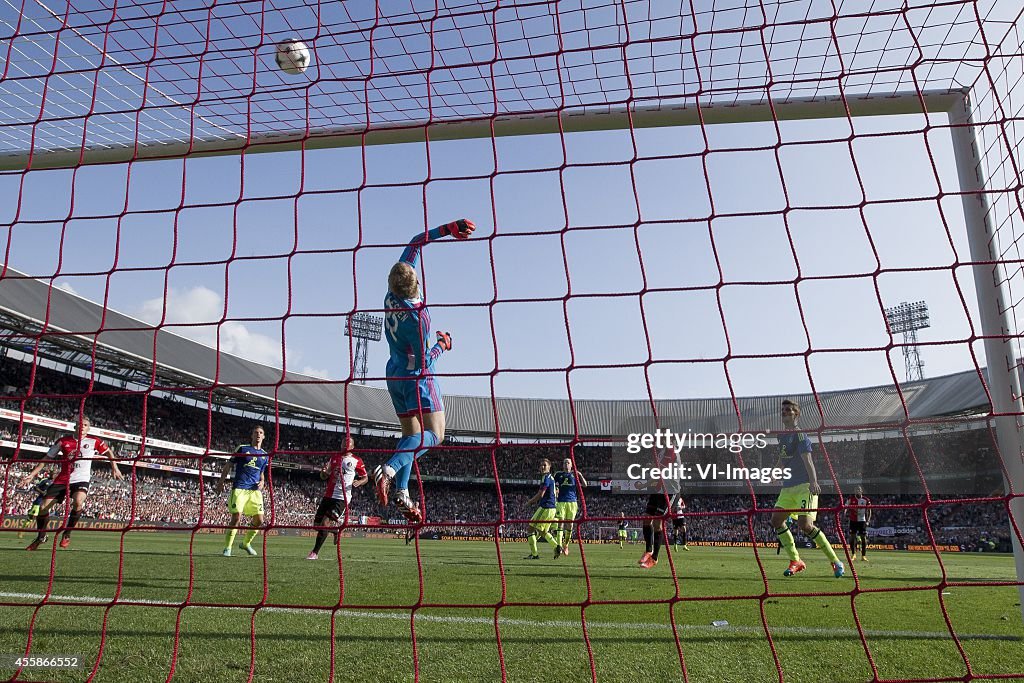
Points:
[(410, 372)]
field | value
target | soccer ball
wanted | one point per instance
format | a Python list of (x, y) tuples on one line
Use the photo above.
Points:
[(292, 56)]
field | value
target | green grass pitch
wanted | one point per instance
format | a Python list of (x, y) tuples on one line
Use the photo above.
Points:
[(816, 637)]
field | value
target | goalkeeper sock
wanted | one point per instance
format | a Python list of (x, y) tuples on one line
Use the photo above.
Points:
[(649, 537), (410, 448), (229, 537), (321, 536), (659, 538), (533, 544), (249, 536), (787, 543), (820, 540)]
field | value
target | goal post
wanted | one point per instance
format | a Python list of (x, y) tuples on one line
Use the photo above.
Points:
[(684, 111), (997, 327)]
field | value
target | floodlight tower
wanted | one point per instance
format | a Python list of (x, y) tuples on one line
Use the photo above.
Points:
[(907, 319), (364, 328)]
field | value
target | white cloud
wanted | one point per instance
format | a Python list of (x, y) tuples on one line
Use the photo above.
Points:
[(203, 305), (197, 304), (66, 286)]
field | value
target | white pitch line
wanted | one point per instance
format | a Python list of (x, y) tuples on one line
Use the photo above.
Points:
[(531, 623)]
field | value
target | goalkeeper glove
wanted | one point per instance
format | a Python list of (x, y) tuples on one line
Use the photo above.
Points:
[(460, 229), (444, 340)]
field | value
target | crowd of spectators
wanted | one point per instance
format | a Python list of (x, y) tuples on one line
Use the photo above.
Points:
[(460, 478), (147, 497)]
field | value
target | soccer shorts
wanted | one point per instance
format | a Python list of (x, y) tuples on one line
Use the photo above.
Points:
[(622, 534), (412, 396), (679, 523), (245, 502), (542, 519), (329, 508), (60, 491), (566, 512), (858, 528), (657, 504), (798, 498)]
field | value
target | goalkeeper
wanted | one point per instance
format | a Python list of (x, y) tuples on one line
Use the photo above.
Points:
[(410, 371)]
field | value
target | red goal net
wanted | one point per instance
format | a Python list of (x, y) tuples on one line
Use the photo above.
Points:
[(686, 212)]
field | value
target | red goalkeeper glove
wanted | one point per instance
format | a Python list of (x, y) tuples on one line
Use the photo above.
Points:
[(444, 340), (460, 229)]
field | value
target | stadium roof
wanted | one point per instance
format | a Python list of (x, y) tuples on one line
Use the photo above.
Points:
[(33, 309)]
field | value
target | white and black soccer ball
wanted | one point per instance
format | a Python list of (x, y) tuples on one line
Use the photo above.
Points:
[(292, 56)]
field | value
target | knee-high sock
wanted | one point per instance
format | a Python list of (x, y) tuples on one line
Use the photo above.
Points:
[(410, 448), (533, 543), (72, 522), (321, 536), (787, 543), (863, 544), (649, 537), (250, 535), (229, 537), (659, 538), (42, 519), (820, 540)]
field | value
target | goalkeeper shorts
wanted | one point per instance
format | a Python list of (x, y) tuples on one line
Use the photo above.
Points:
[(412, 396)]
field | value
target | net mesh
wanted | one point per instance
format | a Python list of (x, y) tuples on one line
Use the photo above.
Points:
[(145, 80)]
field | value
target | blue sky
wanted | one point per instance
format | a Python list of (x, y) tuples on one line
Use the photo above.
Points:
[(530, 337), (255, 268)]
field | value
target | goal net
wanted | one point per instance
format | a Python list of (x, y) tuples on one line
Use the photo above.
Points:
[(685, 212)]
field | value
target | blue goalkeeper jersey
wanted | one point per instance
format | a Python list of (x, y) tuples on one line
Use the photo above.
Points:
[(407, 323), (407, 328), (250, 462), (566, 482), (548, 484), (791, 447)]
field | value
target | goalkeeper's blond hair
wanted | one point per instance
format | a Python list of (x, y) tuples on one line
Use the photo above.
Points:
[(402, 281)]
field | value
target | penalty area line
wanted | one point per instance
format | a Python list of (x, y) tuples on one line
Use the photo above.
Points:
[(534, 623)]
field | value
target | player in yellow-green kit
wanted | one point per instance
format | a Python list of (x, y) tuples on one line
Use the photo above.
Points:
[(800, 493), (623, 525), (250, 463), (545, 515), (566, 505), (39, 486)]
